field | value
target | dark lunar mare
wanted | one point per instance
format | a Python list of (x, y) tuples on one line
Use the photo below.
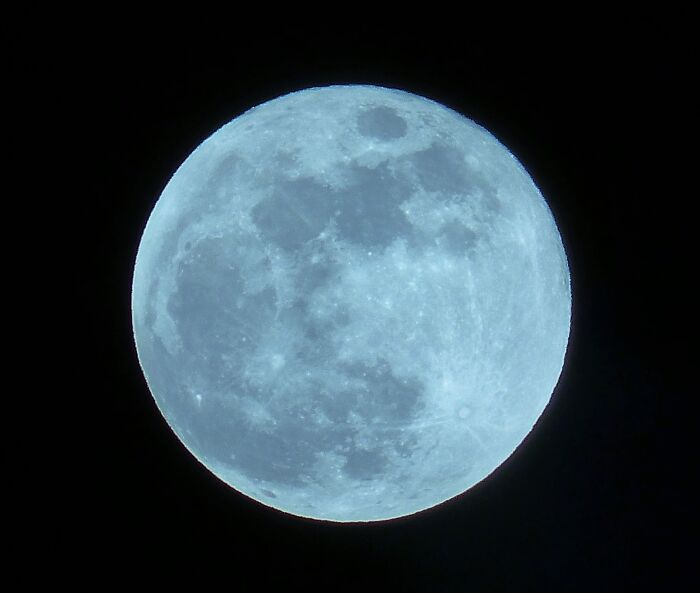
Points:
[(381, 123), (366, 212)]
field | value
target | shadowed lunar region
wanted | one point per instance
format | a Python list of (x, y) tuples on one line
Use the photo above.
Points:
[(351, 303)]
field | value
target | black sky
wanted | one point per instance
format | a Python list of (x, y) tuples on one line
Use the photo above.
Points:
[(597, 499)]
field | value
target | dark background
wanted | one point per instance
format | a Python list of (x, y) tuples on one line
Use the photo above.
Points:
[(598, 498)]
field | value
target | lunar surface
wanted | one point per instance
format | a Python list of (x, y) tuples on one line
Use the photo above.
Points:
[(351, 303)]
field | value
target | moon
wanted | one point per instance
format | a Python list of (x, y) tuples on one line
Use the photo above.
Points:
[(351, 303)]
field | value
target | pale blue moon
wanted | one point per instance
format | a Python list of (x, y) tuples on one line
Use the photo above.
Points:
[(351, 303)]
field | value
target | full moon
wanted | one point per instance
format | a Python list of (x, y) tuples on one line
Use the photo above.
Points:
[(351, 303)]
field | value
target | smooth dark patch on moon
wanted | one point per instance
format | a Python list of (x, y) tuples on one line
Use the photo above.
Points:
[(216, 319), (382, 123), (227, 169), (366, 211), (441, 168), (457, 238), (365, 465), (298, 211), (369, 209)]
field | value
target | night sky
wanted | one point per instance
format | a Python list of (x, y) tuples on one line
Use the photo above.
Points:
[(596, 499)]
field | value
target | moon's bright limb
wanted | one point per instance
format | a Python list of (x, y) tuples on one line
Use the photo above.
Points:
[(351, 303)]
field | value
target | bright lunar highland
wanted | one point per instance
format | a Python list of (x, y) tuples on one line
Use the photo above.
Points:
[(351, 303)]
